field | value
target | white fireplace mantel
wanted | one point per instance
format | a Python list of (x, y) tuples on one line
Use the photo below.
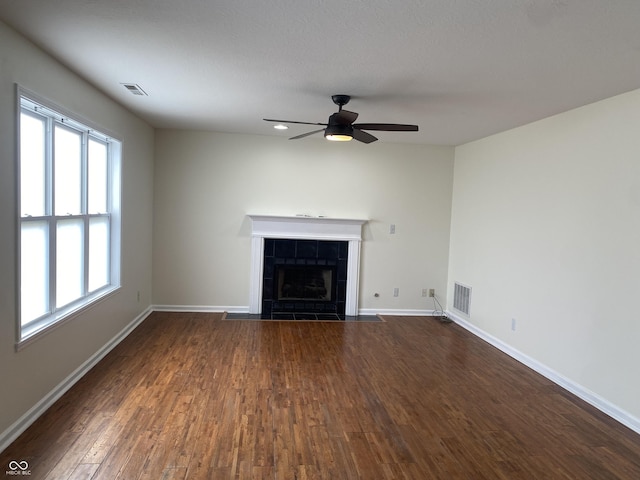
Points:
[(305, 227)]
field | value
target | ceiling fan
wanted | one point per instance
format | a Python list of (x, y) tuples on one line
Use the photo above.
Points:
[(340, 126)]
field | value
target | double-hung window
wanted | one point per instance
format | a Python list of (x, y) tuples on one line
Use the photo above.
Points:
[(69, 215)]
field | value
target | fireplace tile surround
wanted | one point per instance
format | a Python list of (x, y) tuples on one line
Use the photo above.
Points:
[(301, 253), (328, 234)]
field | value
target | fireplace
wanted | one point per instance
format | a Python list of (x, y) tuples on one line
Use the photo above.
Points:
[(327, 250), (304, 276)]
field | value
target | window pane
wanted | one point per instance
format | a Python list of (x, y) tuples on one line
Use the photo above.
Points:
[(98, 253), (67, 171), (32, 165), (97, 188), (34, 274), (69, 261)]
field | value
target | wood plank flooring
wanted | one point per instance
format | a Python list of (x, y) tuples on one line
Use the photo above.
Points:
[(192, 396)]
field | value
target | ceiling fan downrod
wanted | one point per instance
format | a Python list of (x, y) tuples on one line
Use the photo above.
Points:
[(340, 100)]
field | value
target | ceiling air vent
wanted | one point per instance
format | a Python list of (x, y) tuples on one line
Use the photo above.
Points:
[(461, 297), (135, 89)]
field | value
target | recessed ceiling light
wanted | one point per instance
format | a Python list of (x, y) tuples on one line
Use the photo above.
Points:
[(280, 127)]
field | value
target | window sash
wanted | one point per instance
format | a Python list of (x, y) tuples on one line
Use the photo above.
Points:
[(50, 253)]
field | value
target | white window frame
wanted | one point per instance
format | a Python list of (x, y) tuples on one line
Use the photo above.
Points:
[(32, 104)]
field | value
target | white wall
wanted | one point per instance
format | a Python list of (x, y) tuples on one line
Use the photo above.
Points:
[(206, 184), (29, 375), (546, 229)]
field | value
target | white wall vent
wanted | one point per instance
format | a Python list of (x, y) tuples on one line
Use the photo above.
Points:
[(461, 297), (135, 89)]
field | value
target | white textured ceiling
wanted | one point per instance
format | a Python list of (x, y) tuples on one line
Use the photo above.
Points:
[(460, 69)]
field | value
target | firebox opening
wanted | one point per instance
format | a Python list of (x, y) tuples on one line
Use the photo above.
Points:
[(305, 282)]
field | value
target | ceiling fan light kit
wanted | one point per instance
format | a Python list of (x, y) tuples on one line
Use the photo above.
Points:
[(338, 133), (340, 127)]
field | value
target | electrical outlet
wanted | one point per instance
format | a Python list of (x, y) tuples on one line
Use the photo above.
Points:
[(396, 292), (138, 296), (392, 229), (513, 324), (432, 292), (424, 292)]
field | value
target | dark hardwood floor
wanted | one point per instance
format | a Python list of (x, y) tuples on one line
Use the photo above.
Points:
[(192, 396)]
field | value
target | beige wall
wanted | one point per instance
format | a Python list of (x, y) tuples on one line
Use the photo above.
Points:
[(546, 230), (33, 372), (206, 184)]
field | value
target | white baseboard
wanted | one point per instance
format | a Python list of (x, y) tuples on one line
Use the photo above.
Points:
[(243, 309), (578, 390), (25, 421), (398, 312), (200, 308)]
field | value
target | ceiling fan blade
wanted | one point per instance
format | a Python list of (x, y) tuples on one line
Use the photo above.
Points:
[(292, 121), (363, 136), (344, 117), (389, 127), (307, 134)]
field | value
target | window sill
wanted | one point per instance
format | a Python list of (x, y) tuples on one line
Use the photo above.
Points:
[(30, 335)]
